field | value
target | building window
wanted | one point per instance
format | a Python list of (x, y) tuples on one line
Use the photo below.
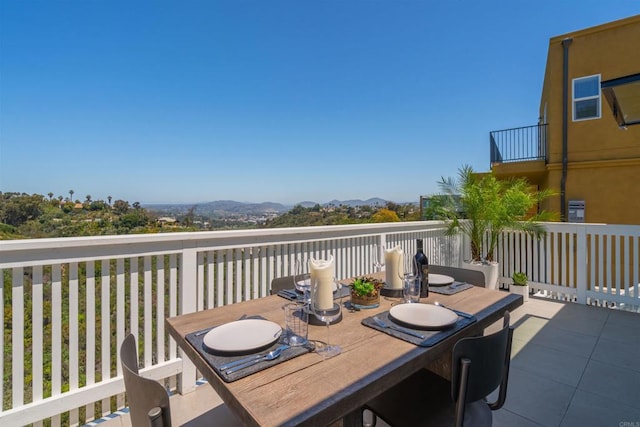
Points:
[(586, 98)]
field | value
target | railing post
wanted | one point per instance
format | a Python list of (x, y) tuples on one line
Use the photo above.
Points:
[(187, 290), (581, 265)]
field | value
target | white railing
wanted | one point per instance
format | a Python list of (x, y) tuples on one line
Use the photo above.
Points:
[(68, 303), (587, 263)]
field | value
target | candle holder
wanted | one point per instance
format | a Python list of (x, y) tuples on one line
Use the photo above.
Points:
[(391, 293)]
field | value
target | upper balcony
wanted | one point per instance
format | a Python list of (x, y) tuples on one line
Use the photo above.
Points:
[(519, 151)]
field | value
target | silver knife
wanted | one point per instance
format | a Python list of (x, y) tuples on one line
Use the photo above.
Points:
[(458, 312), (247, 359)]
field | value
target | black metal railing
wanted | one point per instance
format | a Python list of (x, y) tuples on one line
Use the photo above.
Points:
[(519, 144)]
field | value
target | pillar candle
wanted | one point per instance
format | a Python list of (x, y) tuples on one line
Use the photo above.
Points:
[(392, 264), (321, 272)]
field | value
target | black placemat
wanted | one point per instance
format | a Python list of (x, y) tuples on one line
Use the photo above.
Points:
[(217, 360), (431, 338), (289, 294), (450, 289), (293, 295)]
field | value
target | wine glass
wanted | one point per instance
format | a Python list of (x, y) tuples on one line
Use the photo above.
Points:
[(378, 258), (327, 315), (300, 283)]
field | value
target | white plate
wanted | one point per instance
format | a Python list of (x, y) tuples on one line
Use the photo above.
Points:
[(303, 285), (242, 335), (439, 280), (423, 316)]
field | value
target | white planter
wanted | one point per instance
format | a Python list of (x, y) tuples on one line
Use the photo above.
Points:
[(490, 272), (520, 290)]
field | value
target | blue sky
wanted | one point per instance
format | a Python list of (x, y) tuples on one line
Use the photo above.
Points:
[(285, 101)]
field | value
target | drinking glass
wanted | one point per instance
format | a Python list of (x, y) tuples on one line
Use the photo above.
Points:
[(327, 316), (296, 319), (408, 273), (378, 258)]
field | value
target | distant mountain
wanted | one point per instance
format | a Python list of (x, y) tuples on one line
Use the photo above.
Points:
[(222, 208)]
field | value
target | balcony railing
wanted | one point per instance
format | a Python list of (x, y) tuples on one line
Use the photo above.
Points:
[(518, 144), (67, 303)]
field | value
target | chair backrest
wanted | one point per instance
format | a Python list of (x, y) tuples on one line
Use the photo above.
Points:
[(474, 277), (148, 400), (286, 282), (487, 364)]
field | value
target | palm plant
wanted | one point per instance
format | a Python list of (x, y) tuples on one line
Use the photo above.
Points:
[(482, 207)]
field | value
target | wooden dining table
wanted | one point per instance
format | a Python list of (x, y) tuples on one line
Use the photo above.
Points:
[(310, 390)]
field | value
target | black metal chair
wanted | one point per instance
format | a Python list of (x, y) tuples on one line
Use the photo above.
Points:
[(473, 277), (286, 282), (479, 366)]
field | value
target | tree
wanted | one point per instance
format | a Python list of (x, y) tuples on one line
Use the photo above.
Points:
[(88, 198), (134, 219), (109, 199), (490, 206), (15, 210), (50, 194), (385, 215), (71, 195), (189, 216), (67, 207), (392, 206), (97, 205), (121, 206), (297, 210)]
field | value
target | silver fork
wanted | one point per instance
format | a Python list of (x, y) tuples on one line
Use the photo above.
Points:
[(386, 325), (248, 359), (274, 354)]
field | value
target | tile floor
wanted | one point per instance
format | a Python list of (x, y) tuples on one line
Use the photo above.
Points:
[(572, 365)]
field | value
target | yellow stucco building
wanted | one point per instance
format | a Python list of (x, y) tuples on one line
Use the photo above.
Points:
[(586, 145)]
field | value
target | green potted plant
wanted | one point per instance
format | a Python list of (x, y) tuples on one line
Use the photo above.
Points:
[(482, 207), (520, 285), (365, 292)]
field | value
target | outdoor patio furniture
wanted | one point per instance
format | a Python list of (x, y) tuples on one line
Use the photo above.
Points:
[(148, 400), (286, 282), (307, 390), (479, 366), (473, 277)]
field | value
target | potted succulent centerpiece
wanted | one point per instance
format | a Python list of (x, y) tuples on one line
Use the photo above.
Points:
[(520, 285), (365, 292), (482, 207)]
